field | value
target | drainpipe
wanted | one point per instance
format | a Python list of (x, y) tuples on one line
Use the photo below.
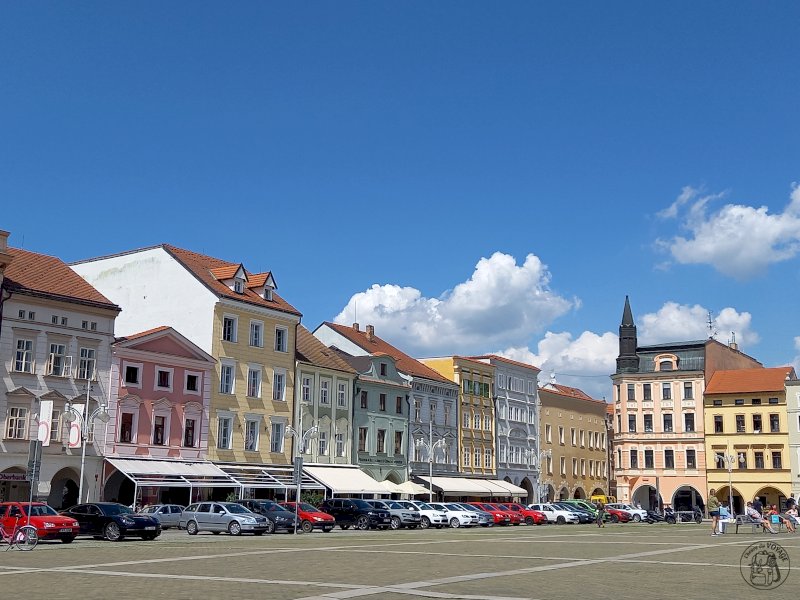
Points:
[(4, 295)]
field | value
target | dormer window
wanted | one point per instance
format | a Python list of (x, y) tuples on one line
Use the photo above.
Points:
[(238, 286), (268, 293)]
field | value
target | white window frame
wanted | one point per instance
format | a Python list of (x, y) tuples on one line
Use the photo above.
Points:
[(171, 372), (325, 392), (259, 327), (279, 375), (257, 371), (82, 369), (128, 405), (487, 423), (252, 422), (225, 417), (277, 435), (25, 418), (323, 443), (223, 364), (466, 455), (285, 337), (66, 361), (306, 387), (192, 411), (55, 425), (199, 390), (140, 371), (27, 362), (339, 438), (341, 394), (477, 454), (161, 408), (234, 328)]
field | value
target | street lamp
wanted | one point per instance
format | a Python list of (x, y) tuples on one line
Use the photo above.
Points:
[(431, 447), (543, 454), (301, 439), (71, 413), (729, 460)]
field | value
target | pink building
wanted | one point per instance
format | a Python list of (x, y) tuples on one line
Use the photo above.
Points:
[(158, 431)]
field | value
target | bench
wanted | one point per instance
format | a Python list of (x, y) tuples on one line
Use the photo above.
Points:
[(744, 520)]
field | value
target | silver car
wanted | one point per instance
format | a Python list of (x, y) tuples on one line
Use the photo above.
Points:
[(169, 515), (485, 519), (401, 516), (222, 516)]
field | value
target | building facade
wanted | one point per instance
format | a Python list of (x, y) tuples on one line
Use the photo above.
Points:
[(792, 391), (517, 449), (574, 443), (55, 340), (234, 315), (747, 436)]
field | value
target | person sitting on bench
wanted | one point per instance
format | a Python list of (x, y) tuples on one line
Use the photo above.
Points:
[(756, 517), (787, 522)]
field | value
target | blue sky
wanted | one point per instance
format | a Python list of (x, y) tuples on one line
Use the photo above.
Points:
[(476, 177)]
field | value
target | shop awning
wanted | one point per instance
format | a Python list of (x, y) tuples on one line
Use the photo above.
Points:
[(171, 473), (509, 488), (266, 476), (465, 486), (411, 488), (345, 479)]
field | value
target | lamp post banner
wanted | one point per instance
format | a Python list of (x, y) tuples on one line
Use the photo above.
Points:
[(45, 418), (75, 426)]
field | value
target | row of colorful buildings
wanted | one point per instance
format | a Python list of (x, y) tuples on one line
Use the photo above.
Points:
[(179, 375)]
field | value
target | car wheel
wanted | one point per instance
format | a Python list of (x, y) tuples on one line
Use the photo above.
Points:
[(307, 526), (395, 523), (362, 523), (528, 520), (455, 523), (426, 522), (191, 528), (637, 518), (560, 520), (235, 528), (112, 532), (614, 518), (270, 526), (68, 539)]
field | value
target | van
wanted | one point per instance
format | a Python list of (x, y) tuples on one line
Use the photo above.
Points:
[(603, 498)]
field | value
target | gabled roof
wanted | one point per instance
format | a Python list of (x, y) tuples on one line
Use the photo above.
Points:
[(228, 272), (45, 276), (179, 343), (750, 381), (312, 351), (405, 363), (202, 267), (141, 334), (565, 390), (506, 360), (259, 280)]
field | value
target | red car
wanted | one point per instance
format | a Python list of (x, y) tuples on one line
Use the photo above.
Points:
[(531, 517), (615, 515), (501, 517), (311, 517), (49, 524), (516, 518)]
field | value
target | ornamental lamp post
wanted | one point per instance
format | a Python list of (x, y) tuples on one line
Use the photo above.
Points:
[(431, 446), (301, 439), (71, 414)]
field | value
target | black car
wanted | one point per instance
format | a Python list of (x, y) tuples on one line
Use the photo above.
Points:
[(584, 516), (113, 521), (356, 512), (280, 519)]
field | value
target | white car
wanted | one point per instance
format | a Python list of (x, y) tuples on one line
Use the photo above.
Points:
[(555, 514), (430, 516), (637, 514), (456, 515)]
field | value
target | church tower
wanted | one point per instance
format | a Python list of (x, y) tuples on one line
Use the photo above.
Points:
[(628, 360)]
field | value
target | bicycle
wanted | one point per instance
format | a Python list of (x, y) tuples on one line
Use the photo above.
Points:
[(23, 538)]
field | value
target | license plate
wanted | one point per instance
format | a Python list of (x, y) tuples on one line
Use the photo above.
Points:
[(150, 528), (65, 530), (386, 520)]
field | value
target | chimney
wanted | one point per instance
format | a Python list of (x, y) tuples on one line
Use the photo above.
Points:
[(5, 257), (355, 326), (3, 240), (370, 333), (732, 342)]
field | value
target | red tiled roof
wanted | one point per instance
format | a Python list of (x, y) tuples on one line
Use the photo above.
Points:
[(226, 272), (609, 408), (506, 360), (202, 266), (141, 334), (741, 381), (565, 390), (404, 362), (39, 274), (313, 351), (258, 280)]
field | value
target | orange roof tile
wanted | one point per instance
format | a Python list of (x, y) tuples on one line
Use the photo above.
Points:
[(741, 381), (41, 275), (141, 334), (313, 351), (404, 362), (226, 272), (258, 280), (565, 390)]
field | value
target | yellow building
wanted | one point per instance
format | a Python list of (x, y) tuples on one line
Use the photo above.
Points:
[(476, 418), (747, 436)]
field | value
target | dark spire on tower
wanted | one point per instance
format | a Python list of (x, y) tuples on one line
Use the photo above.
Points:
[(628, 360)]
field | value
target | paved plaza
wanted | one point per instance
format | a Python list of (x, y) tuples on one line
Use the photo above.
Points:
[(547, 563)]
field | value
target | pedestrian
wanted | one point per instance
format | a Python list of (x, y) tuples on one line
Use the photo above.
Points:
[(758, 506), (713, 511), (783, 518), (601, 511)]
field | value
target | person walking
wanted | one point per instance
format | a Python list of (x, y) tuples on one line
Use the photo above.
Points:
[(713, 511), (601, 511)]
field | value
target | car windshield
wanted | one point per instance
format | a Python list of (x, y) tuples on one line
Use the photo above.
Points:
[(41, 510), (470, 507), (395, 505), (424, 506), (271, 506), (308, 508), (236, 509), (115, 509), (149, 509), (453, 507), (379, 504), (362, 504)]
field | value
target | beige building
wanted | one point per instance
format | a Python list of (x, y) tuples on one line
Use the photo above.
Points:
[(574, 442)]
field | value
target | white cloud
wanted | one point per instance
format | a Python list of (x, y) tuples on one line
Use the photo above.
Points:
[(737, 240), (679, 322), (502, 303)]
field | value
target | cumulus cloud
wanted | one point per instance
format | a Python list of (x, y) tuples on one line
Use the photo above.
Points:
[(502, 303), (680, 322), (737, 240)]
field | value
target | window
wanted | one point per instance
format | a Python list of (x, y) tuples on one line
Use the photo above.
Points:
[(86, 364), (446, 413), (548, 433), (276, 437), (305, 389), (132, 375), (739, 402), (665, 365), (718, 427), (257, 334), (164, 379), (647, 390), (55, 426), (631, 392), (772, 401), (398, 442), (226, 379), (323, 443), (224, 429), (254, 382), (573, 436), (756, 401), (280, 339), (756, 423), (364, 399), (159, 430), (666, 391), (398, 405), (341, 395), (84, 324), (688, 392), (487, 458), (93, 326), (339, 444), (465, 456), (742, 460), (57, 361), (634, 459), (278, 385), (362, 439), (23, 360), (382, 402), (648, 459), (740, 424), (774, 423), (632, 423), (717, 402), (648, 423), (619, 423), (383, 369), (563, 466), (126, 428), (229, 329), (487, 423), (324, 391), (31, 316), (691, 459), (381, 438), (189, 428), (759, 459), (574, 467), (418, 410), (477, 458), (667, 421), (238, 286), (476, 422), (64, 321), (688, 422), (777, 462), (669, 459), (17, 423), (21, 314), (191, 382), (560, 435)]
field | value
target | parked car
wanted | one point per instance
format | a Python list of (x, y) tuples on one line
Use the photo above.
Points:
[(355, 512), (617, 515), (113, 521), (638, 514), (456, 516), (516, 518), (169, 515), (555, 514), (49, 524), (583, 515), (311, 517), (529, 516), (279, 517), (430, 516), (485, 519), (217, 517), (499, 517), (401, 516)]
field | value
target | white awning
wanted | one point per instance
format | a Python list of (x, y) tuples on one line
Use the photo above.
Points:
[(266, 476), (465, 486), (509, 488), (411, 488), (171, 473), (345, 479), (391, 487)]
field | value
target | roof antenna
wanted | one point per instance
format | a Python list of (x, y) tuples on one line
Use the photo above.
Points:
[(710, 324), (355, 311)]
